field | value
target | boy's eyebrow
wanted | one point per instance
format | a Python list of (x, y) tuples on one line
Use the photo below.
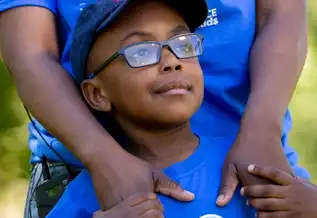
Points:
[(136, 33), (179, 29)]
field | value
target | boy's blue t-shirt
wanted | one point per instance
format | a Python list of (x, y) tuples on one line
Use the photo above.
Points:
[(229, 33), (200, 174)]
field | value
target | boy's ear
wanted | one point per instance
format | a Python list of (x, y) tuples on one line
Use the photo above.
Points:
[(95, 95)]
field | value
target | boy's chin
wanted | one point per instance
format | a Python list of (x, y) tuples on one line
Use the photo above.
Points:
[(179, 110), (176, 118)]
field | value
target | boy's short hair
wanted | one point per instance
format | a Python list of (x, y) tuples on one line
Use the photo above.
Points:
[(96, 18)]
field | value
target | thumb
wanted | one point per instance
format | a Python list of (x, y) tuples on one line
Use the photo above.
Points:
[(167, 187), (228, 185)]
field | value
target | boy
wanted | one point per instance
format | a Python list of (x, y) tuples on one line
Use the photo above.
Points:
[(142, 72), (148, 82)]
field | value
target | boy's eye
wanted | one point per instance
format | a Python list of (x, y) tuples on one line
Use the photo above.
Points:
[(187, 47), (142, 53)]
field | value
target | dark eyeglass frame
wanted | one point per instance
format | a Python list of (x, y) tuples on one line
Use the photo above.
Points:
[(162, 44)]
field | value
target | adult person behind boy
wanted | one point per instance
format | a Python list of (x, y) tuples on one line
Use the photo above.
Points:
[(29, 48)]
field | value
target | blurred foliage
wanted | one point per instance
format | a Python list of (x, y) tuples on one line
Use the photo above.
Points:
[(304, 103), (14, 155)]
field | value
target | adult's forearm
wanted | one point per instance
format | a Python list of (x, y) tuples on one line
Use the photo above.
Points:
[(30, 50), (276, 62), (52, 97)]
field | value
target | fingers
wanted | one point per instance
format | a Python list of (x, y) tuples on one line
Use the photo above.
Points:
[(152, 214), (269, 204), (165, 186), (139, 205), (267, 214), (228, 186), (139, 198), (150, 205), (264, 191), (275, 175)]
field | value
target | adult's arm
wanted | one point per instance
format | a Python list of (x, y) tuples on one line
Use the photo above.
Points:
[(276, 61), (29, 49)]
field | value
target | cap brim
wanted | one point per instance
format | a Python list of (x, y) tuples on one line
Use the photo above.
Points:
[(194, 12)]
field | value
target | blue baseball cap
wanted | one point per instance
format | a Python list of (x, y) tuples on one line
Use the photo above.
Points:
[(96, 18)]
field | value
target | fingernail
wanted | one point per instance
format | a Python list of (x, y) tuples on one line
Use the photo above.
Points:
[(242, 191), (251, 168), (190, 194), (220, 198)]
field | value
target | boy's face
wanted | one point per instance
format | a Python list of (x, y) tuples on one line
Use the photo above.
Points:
[(167, 93)]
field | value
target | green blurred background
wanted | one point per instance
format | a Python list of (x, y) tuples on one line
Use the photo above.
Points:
[(14, 155)]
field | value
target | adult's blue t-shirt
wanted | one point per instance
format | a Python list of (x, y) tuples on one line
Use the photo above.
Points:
[(229, 33), (200, 173)]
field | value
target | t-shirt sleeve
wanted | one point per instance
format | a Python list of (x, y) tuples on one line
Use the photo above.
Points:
[(292, 158), (8, 4)]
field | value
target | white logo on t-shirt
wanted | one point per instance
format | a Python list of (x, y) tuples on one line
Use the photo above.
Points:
[(212, 18), (211, 216)]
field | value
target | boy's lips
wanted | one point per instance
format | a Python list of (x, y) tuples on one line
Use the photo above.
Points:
[(174, 87)]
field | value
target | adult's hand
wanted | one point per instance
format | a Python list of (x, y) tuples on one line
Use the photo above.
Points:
[(287, 197), (144, 205), (254, 145), (127, 175)]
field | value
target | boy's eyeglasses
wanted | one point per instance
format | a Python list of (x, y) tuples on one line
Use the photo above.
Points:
[(148, 53)]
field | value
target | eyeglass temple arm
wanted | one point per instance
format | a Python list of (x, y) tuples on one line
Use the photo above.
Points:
[(102, 66)]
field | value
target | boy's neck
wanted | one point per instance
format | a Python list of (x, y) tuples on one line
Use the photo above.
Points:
[(161, 148)]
